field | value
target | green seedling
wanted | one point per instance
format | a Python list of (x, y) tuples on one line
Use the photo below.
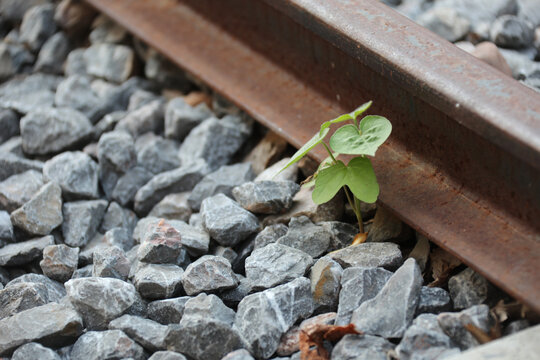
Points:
[(357, 178)]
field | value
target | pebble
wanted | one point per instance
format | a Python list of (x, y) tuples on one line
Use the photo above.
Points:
[(111, 262), (158, 155), (23, 296), (53, 53), (266, 197), (100, 300), (117, 216), (76, 93), (59, 262), (385, 255), (240, 354), (362, 347), (24, 252), (509, 31), (468, 288), (165, 73), (225, 252), (325, 279), (269, 235), (55, 290), (9, 121), (109, 61), (129, 183), (11, 164), (168, 311), (391, 311), (108, 344), (75, 172), (159, 281), (32, 93), (83, 272), (167, 355), (341, 234), (6, 228), (34, 351), (262, 318), (306, 236), (75, 63), (173, 207), (119, 237), (150, 334), (445, 22), (14, 10), (433, 300), (276, 264), (148, 117), (106, 30), (453, 324), (116, 155), (162, 246), (209, 274), (14, 58), (387, 227), (81, 221), (205, 306), (181, 118), (226, 221), (37, 26), (18, 189), (194, 239)]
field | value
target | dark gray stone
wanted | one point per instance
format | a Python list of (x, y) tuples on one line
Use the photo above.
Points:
[(362, 347), (276, 264), (178, 180), (516, 326), (391, 311), (158, 281), (226, 221), (167, 355), (163, 245), (266, 197), (509, 31), (76, 63), (75, 92), (233, 296), (468, 288), (433, 300), (107, 123), (445, 22), (262, 318), (51, 324), (109, 344), (24, 252), (119, 237), (119, 97), (158, 155), (29, 93), (11, 164), (195, 240), (100, 300), (385, 255), (81, 220), (34, 351), (84, 272), (116, 155), (52, 130), (453, 325), (105, 30), (59, 262), (341, 234), (128, 184), (18, 189), (75, 172), (110, 62), (269, 235), (148, 117), (13, 145), (221, 181), (14, 10), (140, 98), (6, 228), (55, 290), (173, 207), (208, 274), (53, 53), (325, 279), (165, 73), (206, 307), (181, 118), (37, 26), (117, 216), (306, 236), (225, 252), (168, 311), (110, 262), (386, 227), (145, 226), (23, 296), (150, 334), (215, 141), (240, 354), (9, 121)]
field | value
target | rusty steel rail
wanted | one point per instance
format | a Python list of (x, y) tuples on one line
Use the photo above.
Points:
[(463, 163)]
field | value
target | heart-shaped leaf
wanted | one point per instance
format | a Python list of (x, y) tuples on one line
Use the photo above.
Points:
[(350, 116), (374, 130), (314, 141), (328, 182)]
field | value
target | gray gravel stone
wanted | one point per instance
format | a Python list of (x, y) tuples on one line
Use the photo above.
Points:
[(75, 172), (24, 252), (362, 347), (81, 220), (51, 324), (181, 118), (13, 145), (225, 252), (165, 73), (226, 221), (214, 140), (209, 274), (84, 272), (167, 355), (53, 53), (158, 281), (385, 255), (105, 30), (433, 300), (262, 318), (509, 31), (107, 123), (528, 10), (29, 93), (34, 351), (75, 92), (221, 181), (75, 63), (306, 236), (109, 344), (391, 311), (37, 26), (173, 207), (266, 197), (100, 300), (148, 117), (325, 279), (341, 234), (206, 307), (445, 22), (240, 354), (119, 237), (178, 180), (111, 62), (139, 98), (11, 164), (387, 227), (129, 183), (150, 334), (116, 155), (9, 121), (468, 288), (233, 296), (23, 296), (145, 226), (6, 228), (480, 11), (111, 262), (270, 234), (516, 326), (158, 155), (168, 311), (55, 290), (274, 172), (14, 10), (59, 262), (117, 216), (52, 130), (276, 264), (195, 240), (453, 324), (163, 245), (18, 189)]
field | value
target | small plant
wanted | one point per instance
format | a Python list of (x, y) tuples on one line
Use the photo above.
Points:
[(357, 178)]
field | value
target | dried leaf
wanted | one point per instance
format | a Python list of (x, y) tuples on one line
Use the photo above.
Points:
[(359, 238), (442, 264), (480, 335), (315, 335)]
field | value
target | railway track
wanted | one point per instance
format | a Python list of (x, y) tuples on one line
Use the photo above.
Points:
[(463, 163)]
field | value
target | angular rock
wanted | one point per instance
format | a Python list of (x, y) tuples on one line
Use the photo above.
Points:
[(181, 118), (385, 255), (81, 220), (509, 31), (111, 62), (6, 228), (195, 240), (23, 296), (162, 246), (150, 334), (173, 206), (209, 274), (75, 172), (148, 117), (59, 262), (84, 272), (111, 262), (141, 98), (453, 325), (168, 311), (167, 74), (362, 347), (24, 252), (105, 30), (107, 123), (433, 300), (37, 26), (325, 279), (387, 227), (116, 155), (119, 237), (34, 351), (226, 221), (117, 216), (109, 344), (206, 307), (516, 326), (75, 63), (240, 354), (232, 297), (266, 197), (276, 264), (421, 251), (167, 355), (270, 234), (341, 234), (75, 92), (158, 155), (13, 59), (145, 226), (468, 288), (158, 281), (18, 189), (221, 181), (55, 290), (53, 53), (262, 318), (128, 184), (306, 236), (29, 94), (9, 122), (225, 252), (178, 180), (100, 300), (274, 172), (445, 22), (14, 10), (11, 164), (391, 311), (51, 324)]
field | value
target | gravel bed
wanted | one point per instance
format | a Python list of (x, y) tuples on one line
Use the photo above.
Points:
[(141, 217)]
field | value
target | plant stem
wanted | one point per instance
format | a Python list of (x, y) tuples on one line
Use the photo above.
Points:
[(329, 152), (355, 208)]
